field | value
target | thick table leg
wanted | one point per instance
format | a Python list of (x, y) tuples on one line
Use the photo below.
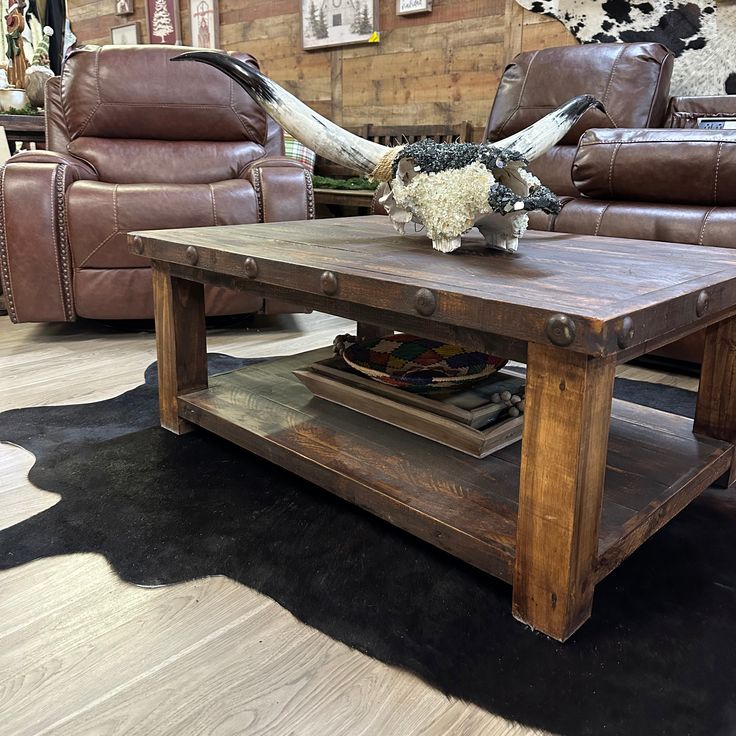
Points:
[(563, 461), (715, 413), (181, 343)]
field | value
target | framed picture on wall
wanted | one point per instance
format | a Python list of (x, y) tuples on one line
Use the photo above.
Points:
[(126, 35), (162, 20), (338, 22), (123, 7), (205, 23)]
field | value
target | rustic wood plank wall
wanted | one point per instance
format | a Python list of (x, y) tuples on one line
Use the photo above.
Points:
[(437, 68)]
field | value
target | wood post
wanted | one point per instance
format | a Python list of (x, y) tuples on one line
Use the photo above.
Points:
[(564, 448), (715, 412), (181, 343)]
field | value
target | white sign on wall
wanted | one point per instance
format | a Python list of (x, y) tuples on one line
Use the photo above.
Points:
[(409, 7)]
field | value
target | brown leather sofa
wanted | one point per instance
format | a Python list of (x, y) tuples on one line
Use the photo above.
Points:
[(136, 142), (638, 171)]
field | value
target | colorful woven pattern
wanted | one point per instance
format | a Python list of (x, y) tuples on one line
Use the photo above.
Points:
[(418, 364), (299, 152)]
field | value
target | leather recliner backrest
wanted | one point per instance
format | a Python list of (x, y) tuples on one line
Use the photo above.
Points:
[(136, 117), (632, 80)]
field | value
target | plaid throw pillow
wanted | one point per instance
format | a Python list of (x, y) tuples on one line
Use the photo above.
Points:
[(299, 152)]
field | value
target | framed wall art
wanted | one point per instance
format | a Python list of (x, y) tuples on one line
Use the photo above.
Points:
[(205, 23), (124, 7), (338, 22), (162, 20), (127, 35)]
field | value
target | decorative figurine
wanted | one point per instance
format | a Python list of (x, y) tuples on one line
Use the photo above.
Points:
[(39, 72), (15, 24), (446, 187)]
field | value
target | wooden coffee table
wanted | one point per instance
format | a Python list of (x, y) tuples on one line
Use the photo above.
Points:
[(592, 479)]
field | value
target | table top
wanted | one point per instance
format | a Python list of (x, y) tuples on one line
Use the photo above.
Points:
[(347, 192), (592, 294)]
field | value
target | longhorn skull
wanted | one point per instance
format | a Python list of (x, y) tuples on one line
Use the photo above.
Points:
[(446, 187)]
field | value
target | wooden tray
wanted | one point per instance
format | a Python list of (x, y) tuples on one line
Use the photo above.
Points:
[(433, 418)]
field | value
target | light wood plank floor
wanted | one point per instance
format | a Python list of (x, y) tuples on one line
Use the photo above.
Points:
[(82, 652)]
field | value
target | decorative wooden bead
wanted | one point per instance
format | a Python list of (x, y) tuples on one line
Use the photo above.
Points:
[(625, 332), (560, 330), (703, 303), (191, 255), (425, 302), (250, 267), (328, 283)]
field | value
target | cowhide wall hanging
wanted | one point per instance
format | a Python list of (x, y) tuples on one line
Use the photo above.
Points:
[(701, 34)]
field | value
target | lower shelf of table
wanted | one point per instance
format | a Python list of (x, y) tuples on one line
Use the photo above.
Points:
[(463, 505)]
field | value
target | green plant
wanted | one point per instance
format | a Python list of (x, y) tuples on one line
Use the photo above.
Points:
[(25, 110), (355, 182)]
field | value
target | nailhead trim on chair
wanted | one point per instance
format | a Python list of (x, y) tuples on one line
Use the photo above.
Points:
[(4, 264), (258, 186), (310, 196), (63, 251)]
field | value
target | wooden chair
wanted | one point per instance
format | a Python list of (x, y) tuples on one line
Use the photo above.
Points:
[(392, 135)]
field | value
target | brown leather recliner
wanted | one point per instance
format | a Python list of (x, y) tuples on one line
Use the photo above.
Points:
[(639, 174), (136, 142)]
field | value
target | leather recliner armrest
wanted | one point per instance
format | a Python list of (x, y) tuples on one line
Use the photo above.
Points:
[(283, 187), (683, 112), (672, 166), (34, 249)]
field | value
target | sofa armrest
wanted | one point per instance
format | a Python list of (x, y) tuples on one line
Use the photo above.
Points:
[(696, 167), (34, 250), (283, 187), (683, 112)]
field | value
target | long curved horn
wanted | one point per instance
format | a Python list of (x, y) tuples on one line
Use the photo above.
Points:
[(318, 133), (539, 137)]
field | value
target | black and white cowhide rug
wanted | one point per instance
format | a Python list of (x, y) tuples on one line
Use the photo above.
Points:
[(658, 656), (701, 34)]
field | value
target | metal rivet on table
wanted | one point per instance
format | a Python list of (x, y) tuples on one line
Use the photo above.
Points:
[(701, 306), (560, 330), (250, 267), (137, 244), (425, 302), (328, 283), (625, 332), (192, 255)]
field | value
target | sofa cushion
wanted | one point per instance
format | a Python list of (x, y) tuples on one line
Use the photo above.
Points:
[(100, 215), (137, 92), (668, 166), (631, 80), (123, 161)]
